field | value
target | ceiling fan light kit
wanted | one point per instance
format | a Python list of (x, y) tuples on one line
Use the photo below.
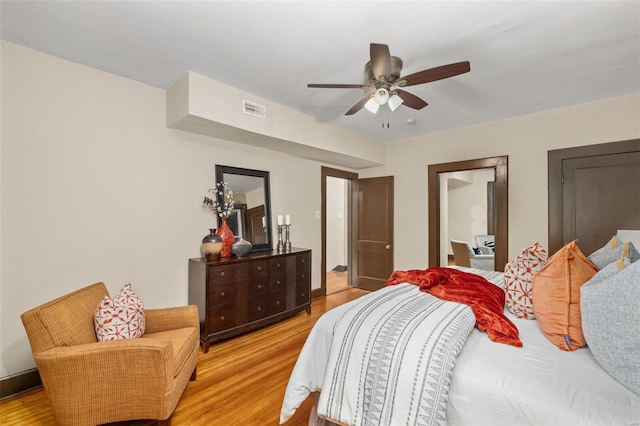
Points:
[(382, 75), (394, 102), (372, 105)]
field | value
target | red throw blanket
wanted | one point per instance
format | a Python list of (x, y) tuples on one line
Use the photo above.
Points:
[(485, 299)]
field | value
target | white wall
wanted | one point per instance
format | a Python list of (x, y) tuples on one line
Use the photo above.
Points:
[(336, 224), (526, 140), (95, 187), (467, 208)]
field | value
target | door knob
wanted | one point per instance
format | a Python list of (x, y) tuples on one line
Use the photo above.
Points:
[(388, 246)]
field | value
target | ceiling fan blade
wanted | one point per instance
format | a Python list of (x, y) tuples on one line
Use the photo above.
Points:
[(338, 86), (380, 60), (358, 106), (437, 73), (411, 100)]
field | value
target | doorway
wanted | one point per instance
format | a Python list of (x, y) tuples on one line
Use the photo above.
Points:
[(499, 191), (337, 213), (337, 216)]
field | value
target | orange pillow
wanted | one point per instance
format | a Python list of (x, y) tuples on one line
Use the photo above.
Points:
[(556, 296)]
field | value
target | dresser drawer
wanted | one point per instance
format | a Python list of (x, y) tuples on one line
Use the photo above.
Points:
[(277, 266), (303, 261), (222, 294), (277, 303), (302, 293), (257, 287), (258, 268), (221, 318), (258, 308), (277, 283), (227, 274)]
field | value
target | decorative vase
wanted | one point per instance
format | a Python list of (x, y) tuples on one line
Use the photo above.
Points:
[(241, 248), (212, 246), (227, 238)]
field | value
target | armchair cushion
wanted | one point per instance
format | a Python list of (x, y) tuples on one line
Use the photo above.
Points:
[(121, 317)]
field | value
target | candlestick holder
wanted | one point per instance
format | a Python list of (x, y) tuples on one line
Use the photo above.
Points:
[(280, 243), (287, 242)]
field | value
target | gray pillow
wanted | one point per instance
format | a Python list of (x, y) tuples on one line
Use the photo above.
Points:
[(611, 321), (612, 251)]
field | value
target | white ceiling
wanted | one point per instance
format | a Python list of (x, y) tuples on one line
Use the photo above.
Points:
[(525, 56)]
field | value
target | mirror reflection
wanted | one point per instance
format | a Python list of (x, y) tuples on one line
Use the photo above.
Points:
[(251, 216)]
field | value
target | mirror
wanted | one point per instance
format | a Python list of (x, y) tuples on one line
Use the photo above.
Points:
[(251, 217), (499, 203)]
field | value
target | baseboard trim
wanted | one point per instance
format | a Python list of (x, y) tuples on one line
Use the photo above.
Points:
[(19, 383)]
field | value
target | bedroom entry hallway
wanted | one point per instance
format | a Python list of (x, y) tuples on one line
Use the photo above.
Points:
[(356, 231), (337, 211)]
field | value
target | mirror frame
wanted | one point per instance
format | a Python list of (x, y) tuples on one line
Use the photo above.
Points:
[(222, 170)]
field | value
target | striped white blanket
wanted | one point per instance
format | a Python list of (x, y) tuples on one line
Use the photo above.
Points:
[(387, 360)]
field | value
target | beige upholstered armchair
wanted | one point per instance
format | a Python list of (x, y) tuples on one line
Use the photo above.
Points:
[(90, 382)]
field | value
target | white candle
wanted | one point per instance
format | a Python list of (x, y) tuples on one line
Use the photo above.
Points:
[(287, 220), (280, 220)]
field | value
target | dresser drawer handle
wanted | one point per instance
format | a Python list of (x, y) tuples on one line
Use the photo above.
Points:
[(301, 260), (222, 274), (259, 308), (302, 276), (277, 265), (259, 286), (302, 294), (222, 294), (277, 303), (221, 317), (278, 282), (259, 268)]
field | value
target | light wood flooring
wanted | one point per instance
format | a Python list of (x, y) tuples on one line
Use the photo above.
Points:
[(241, 381), (336, 281)]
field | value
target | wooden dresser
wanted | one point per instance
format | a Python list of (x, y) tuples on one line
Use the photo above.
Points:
[(238, 295)]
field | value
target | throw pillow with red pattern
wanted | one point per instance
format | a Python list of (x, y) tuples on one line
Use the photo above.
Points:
[(121, 317), (517, 280)]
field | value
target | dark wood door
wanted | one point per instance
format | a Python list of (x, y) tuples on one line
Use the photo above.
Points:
[(374, 233), (256, 231), (604, 190)]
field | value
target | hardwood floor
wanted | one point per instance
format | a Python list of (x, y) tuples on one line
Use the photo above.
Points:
[(240, 381), (336, 281)]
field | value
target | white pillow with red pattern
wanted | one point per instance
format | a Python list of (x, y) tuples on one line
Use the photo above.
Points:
[(121, 317), (518, 278)]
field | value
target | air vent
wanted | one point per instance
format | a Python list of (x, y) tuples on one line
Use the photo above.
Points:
[(254, 109)]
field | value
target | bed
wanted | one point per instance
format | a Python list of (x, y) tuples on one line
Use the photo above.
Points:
[(542, 385), (484, 382)]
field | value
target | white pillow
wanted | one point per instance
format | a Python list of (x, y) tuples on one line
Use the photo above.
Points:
[(121, 317), (517, 279)]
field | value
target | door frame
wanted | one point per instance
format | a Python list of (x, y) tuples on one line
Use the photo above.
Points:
[(501, 165), (350, 176)]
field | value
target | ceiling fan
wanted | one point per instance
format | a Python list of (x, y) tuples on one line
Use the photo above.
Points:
[(383, 82)]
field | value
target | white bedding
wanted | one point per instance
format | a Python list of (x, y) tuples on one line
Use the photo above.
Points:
[(497, 384), (392, 358)]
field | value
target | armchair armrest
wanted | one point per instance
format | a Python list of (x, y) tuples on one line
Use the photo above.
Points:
[(171, 318)]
